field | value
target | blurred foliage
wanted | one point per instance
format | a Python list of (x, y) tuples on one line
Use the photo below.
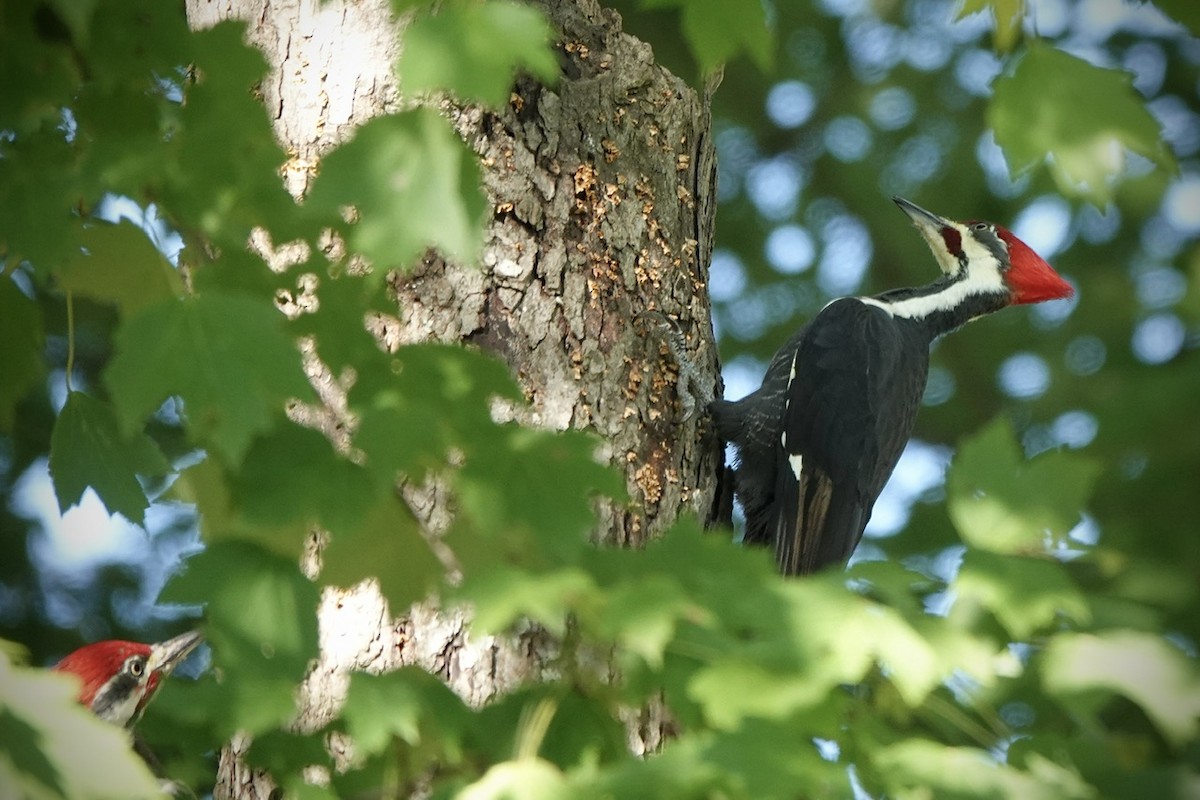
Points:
[(1003, 647)]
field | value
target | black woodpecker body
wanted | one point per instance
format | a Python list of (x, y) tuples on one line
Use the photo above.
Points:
[(819, 439)]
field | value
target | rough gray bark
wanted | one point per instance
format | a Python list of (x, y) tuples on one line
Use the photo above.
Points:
[(603, 191)]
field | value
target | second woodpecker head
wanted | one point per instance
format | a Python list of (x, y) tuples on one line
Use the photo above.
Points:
[(989, 255), (119, 678)]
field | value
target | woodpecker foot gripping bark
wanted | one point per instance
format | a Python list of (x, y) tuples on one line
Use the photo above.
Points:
[(690, 388)]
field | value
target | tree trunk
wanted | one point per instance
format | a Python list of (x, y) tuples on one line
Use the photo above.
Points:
[(602, 190)]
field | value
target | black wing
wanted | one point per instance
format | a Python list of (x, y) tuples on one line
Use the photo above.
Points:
[(850, 407)]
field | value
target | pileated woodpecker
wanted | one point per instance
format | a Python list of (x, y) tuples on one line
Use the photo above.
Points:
[(119, 678), (819, 439)]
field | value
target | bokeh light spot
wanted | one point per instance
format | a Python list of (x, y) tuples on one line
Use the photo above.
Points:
[(1024, 376)]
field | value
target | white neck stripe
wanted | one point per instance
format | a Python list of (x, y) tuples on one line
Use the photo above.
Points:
[(947, 299)]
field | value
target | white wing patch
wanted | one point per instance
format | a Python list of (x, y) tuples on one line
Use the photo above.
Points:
[(797, 463)]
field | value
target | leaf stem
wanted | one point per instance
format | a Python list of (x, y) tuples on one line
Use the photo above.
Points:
[(70, 339)]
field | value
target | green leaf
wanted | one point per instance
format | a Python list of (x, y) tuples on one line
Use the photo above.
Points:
[(76, 15), (409, 703), (21, 343), (565, 724), (51, 747), (89, 449), (473, 50), (502, 596), (529, 494), (824, 609), (641, 615), (389, 547), (118, 264), (1007, 15), (798, 672), (39, 79), (414, 184), (761, 692), (1079, 118), (1184, 12), (339, 323), (285, 754), (716, 32), (224, 179), (1003, 503), (39, 189), (920, 768), (261, 622), (1025, 594), (432, 398), (260, 610), (769, 759), (529, 779), (272, 487), (1140, 665), (226, 356)]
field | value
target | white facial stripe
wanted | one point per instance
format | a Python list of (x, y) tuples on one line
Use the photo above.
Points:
[(947, 261), (975, 251)]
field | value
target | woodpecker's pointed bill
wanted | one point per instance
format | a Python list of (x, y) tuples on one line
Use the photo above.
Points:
[(118, 678), (818, 440)]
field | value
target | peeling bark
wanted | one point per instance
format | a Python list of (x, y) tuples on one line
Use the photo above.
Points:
[(602, 190)]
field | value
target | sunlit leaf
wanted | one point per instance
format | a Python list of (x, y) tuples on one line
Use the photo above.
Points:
[(916, 767), (769, 759), (1141, 666), (529, 778), (51, 747), (761, 692), (473, 50), (1025, 594), (1003, 503), (413, 184), (1080, 119), (501, 596), (226, 356), (261, 622), (89, 449)]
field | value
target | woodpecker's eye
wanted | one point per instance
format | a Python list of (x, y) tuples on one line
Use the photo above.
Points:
[(137, 666), (980, 226)]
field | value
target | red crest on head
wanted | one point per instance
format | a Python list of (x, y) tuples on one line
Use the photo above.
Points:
[(97, 662), (1031, 278)]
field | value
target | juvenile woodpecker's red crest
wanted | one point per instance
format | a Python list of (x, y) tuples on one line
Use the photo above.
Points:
[(1031, 278), (118, 678)]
